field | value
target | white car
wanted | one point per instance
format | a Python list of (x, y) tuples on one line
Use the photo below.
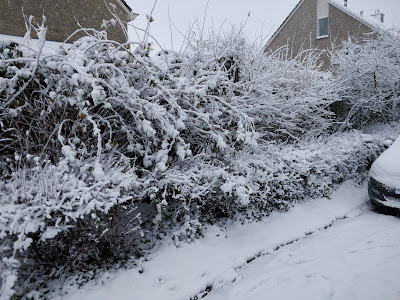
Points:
[(384, 181)]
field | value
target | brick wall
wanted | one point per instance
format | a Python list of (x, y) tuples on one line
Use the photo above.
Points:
[(342, 25), (61, 15), (300, 30)]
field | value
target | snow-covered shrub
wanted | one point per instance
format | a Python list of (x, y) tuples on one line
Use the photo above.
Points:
[(93, 99), (286, 98), (84, 134), (251, 184), (66, 216), (96, 134), (290, 99), (369, 71)]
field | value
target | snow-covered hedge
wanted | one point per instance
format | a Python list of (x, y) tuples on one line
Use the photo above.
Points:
[(84, 134), (250, 185), (369, 71), (104, 147)]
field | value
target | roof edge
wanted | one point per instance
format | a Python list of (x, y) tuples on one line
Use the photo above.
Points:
[(126, 8), (331, 2), (283, 23), (355, 16)]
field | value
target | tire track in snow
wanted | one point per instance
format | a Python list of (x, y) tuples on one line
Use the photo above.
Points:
[(355, 213)]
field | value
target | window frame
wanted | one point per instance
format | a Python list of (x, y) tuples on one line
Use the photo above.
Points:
[(318, 28)]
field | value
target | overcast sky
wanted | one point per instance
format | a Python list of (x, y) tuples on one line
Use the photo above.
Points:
[(263, 16)]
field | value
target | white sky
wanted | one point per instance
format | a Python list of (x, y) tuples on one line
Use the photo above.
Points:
[(265, 15)]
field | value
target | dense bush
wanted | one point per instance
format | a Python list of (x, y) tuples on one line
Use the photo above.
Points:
[(369, 70), (106, 148), (85, 133), (287, 99), (250, 185)]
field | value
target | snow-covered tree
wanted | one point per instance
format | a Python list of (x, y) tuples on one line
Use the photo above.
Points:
[(369, 71)]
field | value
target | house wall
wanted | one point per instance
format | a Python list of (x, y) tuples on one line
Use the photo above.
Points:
[(342, 25), (61, 17), (300, 31)]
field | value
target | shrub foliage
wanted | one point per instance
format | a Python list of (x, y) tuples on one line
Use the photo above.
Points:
[(369, 71), (104, 148)]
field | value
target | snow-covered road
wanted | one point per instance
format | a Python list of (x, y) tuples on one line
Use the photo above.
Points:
[(356, 258), (334, 248)]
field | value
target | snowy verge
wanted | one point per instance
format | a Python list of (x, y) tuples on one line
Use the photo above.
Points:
[(181, 273)]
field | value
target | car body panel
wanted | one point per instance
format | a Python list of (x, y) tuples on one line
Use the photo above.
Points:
[(386, 168), (384, 181)]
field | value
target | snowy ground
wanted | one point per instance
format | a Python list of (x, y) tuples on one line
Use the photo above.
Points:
[(357, 258), (334, 248)]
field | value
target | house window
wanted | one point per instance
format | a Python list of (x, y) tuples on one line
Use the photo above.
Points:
[(323, 27)]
